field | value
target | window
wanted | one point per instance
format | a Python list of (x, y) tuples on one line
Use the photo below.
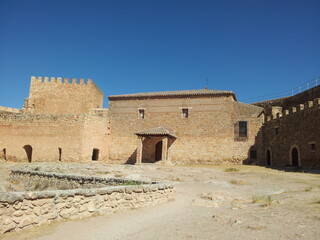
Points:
[(312, 146), (185, 112), (141, 113), (243, 129), (253, 154), (276, 131)]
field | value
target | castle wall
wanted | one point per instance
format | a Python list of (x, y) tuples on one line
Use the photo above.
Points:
[(288, 102), (206, 136), (296, 127), (57, 96), (52, 137)]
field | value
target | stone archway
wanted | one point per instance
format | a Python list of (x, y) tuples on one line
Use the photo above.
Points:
[(28, 150)]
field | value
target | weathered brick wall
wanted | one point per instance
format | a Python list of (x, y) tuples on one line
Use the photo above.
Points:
[(206, 136), (297, 127), (75, 135), (54, 96)]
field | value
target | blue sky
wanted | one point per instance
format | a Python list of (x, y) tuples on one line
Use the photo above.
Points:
[(252, 47)]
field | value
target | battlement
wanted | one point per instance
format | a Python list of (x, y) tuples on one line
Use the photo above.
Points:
[(279, 112), (59, 80)]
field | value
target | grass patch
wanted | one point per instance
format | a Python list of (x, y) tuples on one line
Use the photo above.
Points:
[(231, 170), (308, 189), (317, 202), (238, 182), (265, 199), (130, 183)]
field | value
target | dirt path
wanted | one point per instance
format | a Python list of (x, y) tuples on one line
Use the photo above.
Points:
[(210, 204)]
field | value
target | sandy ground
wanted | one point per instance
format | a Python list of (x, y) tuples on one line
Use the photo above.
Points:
[(211, 203)]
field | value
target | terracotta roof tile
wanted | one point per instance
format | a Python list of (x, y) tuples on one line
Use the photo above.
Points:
[(174, 93), (156, 131)]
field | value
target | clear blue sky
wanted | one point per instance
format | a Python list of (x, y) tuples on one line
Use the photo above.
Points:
[(252, 47)]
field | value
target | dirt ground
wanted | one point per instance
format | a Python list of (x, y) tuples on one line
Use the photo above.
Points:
[(212, 202)]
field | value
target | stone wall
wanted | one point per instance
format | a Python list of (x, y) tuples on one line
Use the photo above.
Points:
[(19, 210), (57, 96), (206, 136), (62, 181), (288, 102), (295, 127), (65, 137)]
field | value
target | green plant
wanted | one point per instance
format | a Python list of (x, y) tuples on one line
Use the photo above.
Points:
[(231, 170)]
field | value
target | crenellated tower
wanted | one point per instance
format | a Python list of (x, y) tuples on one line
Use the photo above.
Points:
[(62, 96)]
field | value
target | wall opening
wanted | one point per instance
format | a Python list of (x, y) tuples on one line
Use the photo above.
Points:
[(95, 154), (60, 154), (295, 157), (158, 151), (268, 157), (4, 154), (28, 150)]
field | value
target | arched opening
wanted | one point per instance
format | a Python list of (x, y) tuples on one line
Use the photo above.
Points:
[(95, 154), (28, 150), (4, 154), (268, 157), (295, 157), (158, 151), (60, 154)]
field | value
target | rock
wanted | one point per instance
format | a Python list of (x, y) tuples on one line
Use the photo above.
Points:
[(26, 221), (7, 228), (91, 207)]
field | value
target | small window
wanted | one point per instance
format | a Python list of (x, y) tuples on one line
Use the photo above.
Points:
[(312, 146), (185, 112), (141, 113), (243, 129), (253, 154), (276, 130)]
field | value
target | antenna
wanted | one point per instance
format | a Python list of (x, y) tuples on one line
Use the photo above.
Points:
[(206, 87)]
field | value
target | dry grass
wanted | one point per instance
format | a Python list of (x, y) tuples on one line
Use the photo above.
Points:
[(238, 182), (231, 170), (265, 199)]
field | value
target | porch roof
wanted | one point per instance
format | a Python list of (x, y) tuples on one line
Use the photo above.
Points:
[(156, 132)]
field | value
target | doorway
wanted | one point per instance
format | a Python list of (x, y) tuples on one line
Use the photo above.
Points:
[(95, 154), (28, 150), (268, 157), (158, 151), (295, 157), (5, 154), (60, 154)]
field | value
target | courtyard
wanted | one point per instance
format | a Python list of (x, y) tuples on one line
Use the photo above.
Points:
[(211, 202)]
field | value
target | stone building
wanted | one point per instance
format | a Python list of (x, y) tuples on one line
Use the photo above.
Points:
[(197, 126), (60, 121), (65, 121), (291, 133)]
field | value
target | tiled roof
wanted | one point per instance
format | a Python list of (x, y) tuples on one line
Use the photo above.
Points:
[(156, 131), (174, 93)]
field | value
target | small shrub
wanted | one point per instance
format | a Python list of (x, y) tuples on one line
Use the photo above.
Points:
[(267, 200), (308, 189), (231, 170), (238, 182)]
